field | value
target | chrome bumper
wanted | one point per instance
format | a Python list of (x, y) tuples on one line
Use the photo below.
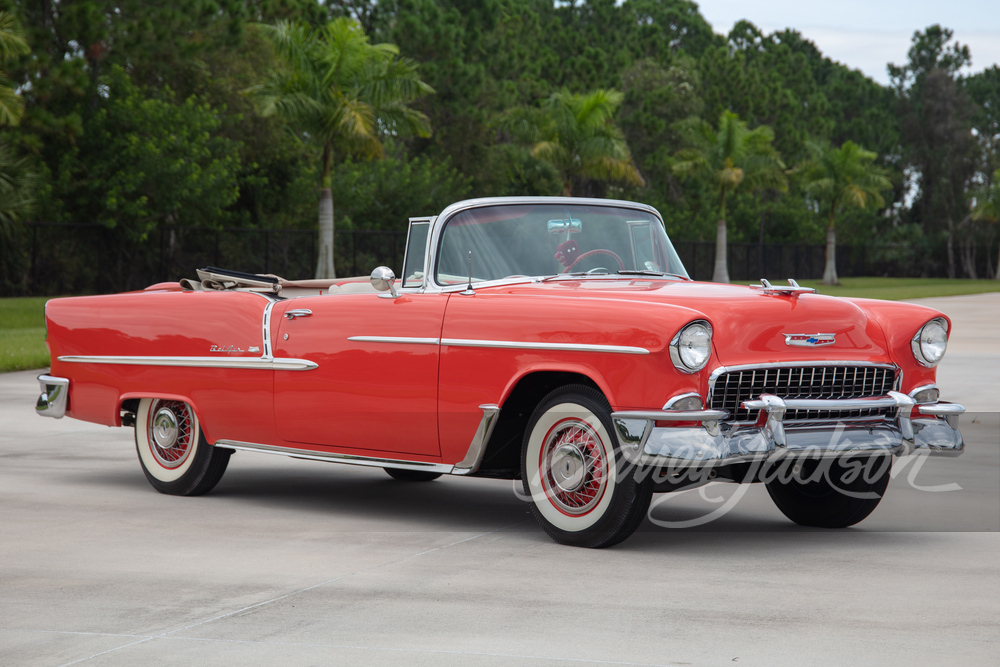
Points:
[(929, 427), (52, 402)]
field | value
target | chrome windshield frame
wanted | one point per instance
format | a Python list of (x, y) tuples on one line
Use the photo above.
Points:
[(431, 284)]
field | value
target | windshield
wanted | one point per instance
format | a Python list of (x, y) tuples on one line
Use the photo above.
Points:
[(510, 241)]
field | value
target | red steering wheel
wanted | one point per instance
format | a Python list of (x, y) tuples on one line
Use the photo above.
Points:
[(598, 251)]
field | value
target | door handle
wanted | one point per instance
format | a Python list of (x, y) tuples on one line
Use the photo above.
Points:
[(298, 312)]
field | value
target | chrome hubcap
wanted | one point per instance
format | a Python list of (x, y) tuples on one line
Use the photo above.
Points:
[(575, 467), (568, 467), (171, 432), (165, 428)]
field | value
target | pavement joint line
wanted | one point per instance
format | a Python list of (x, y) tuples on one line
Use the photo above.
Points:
[(75, 632), (146, 638), (354, 647)]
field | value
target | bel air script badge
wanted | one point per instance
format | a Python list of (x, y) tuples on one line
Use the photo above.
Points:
[(810, 340), (225, 348)]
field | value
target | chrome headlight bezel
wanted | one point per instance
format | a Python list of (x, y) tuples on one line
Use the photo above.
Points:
[(680, 353), (921, 342)]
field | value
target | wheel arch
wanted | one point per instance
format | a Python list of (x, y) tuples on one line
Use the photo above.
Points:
[(502, 456), (129, 402)]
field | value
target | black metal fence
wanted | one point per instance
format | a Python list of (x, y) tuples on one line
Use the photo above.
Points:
[(74, 258), (46, 259)]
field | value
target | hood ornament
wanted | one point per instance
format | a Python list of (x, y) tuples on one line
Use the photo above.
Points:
[(810, 340), (793, 288)]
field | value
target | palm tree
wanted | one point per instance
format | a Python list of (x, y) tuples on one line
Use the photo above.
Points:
[(987, 207), (842, 178), (17, 183), (11, 44), (577, 135), (343, 93), (726, 158)]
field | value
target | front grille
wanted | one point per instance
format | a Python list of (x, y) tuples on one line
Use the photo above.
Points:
[(732, 388)]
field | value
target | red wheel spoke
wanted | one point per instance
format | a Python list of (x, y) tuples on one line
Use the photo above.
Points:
[(584, 496), (174, 453)]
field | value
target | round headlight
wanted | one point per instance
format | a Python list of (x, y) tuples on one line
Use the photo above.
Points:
[(692, 346), (930, 342)]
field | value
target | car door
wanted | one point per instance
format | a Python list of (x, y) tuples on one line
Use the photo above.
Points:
[(375, 383)]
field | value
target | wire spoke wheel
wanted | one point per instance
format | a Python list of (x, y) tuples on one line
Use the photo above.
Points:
[(568, 470), (173, 453), (575, 467), (171, 432)]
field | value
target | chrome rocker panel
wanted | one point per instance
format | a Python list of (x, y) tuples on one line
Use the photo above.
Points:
[(467, 466), (930, 428), (52, 402), (333, 457)]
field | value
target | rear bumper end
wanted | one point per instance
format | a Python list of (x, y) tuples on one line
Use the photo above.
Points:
[(55, 393), (907, 427)]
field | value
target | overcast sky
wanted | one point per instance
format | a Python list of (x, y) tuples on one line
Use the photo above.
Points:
[(867, 35)]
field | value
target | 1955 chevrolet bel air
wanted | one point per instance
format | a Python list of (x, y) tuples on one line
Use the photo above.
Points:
[(558, 341)]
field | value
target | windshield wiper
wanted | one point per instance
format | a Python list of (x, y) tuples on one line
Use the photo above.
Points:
[(575, 274), (646, 272)]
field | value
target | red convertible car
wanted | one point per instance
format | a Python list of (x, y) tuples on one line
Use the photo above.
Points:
[(558, 341)]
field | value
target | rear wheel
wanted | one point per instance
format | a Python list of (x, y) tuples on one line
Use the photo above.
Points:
[(831, 493), (569, 469), (412, 475), (173, 453)]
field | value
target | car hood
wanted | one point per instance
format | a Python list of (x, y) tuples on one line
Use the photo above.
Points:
[(748, 325)]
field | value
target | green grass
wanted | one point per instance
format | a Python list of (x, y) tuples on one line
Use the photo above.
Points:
[(22, 334), (895, 289)]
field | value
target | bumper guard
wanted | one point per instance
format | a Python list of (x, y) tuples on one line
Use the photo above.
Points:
[(52, 402), (931, 427)]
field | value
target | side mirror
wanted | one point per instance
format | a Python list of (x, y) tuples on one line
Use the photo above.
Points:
[(383, 279)]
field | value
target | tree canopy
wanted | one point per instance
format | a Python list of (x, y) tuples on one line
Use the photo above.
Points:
[(120, 97)]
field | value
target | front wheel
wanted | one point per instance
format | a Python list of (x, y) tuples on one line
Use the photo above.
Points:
[(569, 470), (173, 452), (831, 493)]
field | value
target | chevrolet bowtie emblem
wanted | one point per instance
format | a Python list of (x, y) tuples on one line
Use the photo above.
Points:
[(810, 340)]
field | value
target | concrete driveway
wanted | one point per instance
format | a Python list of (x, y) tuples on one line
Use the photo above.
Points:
[(293, 562)]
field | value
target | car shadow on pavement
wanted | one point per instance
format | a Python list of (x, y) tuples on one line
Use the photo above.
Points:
[(357, 499)]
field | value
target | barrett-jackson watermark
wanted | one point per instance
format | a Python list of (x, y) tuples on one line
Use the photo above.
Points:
[(839, 467)]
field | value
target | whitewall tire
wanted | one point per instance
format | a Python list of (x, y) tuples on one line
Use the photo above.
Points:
[(172, 450), (570, 471)]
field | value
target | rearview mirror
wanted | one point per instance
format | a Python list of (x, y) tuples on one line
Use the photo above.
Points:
[(383, 279), (567, 226)]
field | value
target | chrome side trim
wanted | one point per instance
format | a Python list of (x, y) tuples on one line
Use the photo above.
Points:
[(351, 459), (267, 330), (283, 364), (474, 457), (394, 339), (527, 345), (52, 401)]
